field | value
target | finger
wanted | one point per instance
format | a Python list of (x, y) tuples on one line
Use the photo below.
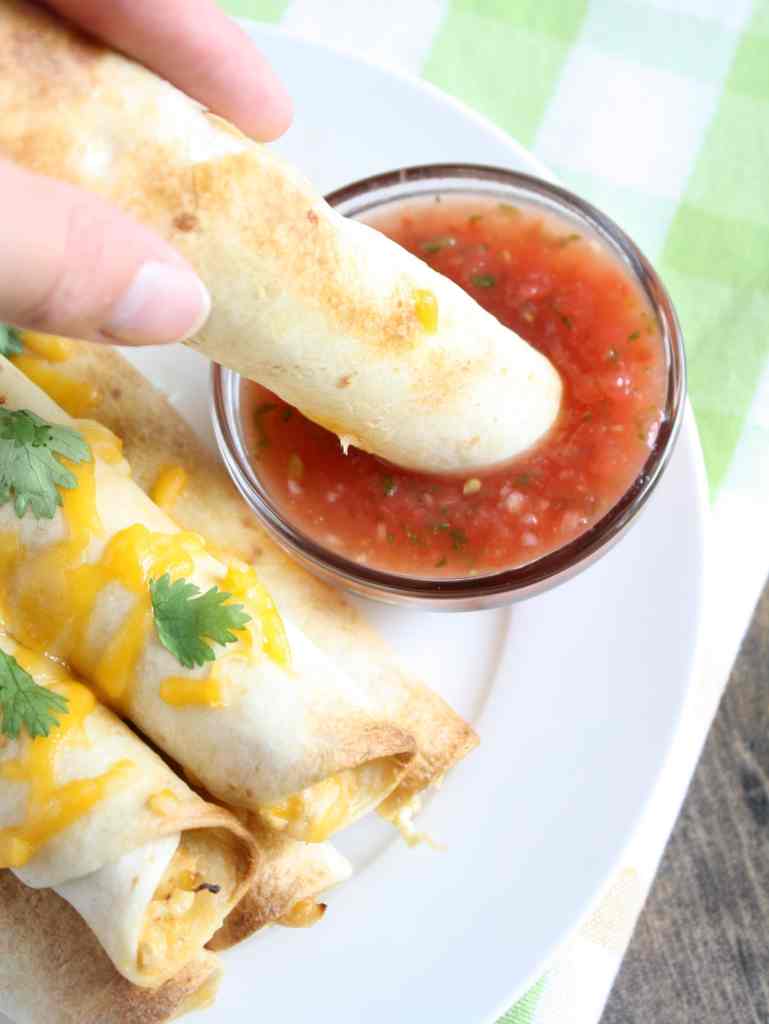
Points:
[(72, 264), (197, 47)]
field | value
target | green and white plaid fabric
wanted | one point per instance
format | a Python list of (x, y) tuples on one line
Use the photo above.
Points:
[(658, 112)]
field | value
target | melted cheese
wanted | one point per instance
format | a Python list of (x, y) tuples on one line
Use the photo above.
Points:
[(50, 346), (55, 591), (184, 911), (303, 914), (104, 444), (426, 309), (242, 582), (51, 808), (76, 397), (46, 579), (163, 803), (318, 811), (169, 486), (186, 691), (131, 558)]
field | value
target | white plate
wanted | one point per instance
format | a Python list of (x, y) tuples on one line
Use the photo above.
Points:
[(575, 695)]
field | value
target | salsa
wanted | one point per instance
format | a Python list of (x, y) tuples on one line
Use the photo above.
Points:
[(568, 297)]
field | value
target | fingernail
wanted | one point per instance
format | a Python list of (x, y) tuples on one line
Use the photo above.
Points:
[(163, 303)]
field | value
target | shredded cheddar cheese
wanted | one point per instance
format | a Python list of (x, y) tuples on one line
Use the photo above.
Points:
[(318, 811), (104, 444), (303, 914), (131, 558), (76, 397), (46, 578), (163, 803), (182, 691), (169, 487), (51, 808), (49, 594), (50, 346), (242, 582), (426, 309)]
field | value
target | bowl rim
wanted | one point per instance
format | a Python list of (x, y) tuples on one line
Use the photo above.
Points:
[(505, 585)]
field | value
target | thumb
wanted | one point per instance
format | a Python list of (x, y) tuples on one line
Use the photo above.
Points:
[(71, 264)]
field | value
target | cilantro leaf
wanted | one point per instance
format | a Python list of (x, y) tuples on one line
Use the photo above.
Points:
[(436, 244), (483, 280), (29, 469), (187, 620), (24, 703), (10, 342)]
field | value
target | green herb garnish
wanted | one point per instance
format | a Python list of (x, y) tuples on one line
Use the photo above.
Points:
[(634, 336), (10, 341), (389, 486), (436, 244), (187, 621), (23, 702), (483, 280), (508, 209), (566, 320), (260, 411), (441, 562), (458, 537), (30, 471), (474, 218), (565, 240)]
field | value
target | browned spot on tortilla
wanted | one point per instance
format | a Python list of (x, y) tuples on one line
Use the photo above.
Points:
[(312, 217), (344, 382), (186, 222), (116, 393)]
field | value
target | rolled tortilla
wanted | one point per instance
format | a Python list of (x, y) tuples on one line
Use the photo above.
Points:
[(92, 812), (339, 321), (291, 878), (157, 439), (53, 970), (272, 725)]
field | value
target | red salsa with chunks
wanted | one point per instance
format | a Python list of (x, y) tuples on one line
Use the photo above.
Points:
[(569, 298)]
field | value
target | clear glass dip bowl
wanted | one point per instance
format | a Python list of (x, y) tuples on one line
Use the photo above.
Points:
[(505, 586)]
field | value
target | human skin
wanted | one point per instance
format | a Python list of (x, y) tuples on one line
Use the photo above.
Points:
[(71, 263)]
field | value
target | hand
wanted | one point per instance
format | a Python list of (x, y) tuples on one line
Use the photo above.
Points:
[(71, 263)]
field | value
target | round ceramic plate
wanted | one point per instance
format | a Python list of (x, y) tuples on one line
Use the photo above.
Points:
[(575, 695)]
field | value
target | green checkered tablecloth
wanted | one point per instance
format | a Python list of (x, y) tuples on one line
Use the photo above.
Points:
[(658, 112)]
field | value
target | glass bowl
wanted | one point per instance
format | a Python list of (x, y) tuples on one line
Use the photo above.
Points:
[(508, 585)]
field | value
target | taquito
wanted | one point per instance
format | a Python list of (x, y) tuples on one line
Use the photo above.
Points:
[(53, 971), (341, 322), (163, 449), (271, 724), (291, 877), (90, 811)]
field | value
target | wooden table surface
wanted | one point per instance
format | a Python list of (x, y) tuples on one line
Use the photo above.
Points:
[(700, 953)]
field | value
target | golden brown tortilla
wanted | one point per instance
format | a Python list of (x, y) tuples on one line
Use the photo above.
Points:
[(301, 295), (53, 970)]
